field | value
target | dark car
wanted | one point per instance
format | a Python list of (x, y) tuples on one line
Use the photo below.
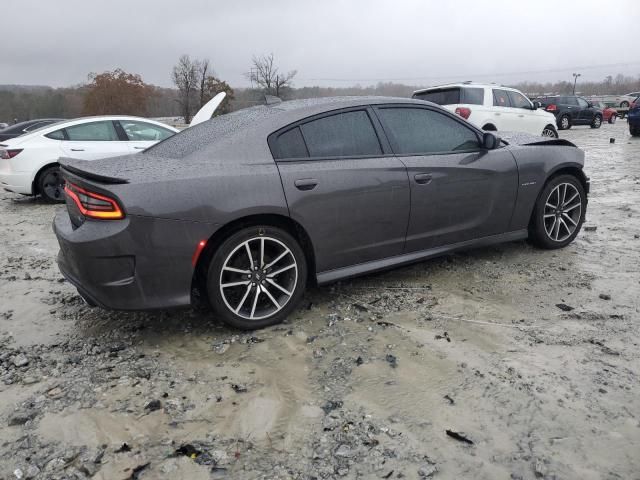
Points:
[(21, 128), (246, 209), (572, 110), (634, 118)]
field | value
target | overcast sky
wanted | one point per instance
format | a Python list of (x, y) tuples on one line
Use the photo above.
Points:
[(329, 42)]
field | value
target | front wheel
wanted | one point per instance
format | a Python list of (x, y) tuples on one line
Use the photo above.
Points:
[(51, 185), (634, 131), (256, 277), (624, 104), (596, 122), (550, 132), (559, 212)]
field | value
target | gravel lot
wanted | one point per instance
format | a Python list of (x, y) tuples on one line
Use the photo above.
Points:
[(460, 367)]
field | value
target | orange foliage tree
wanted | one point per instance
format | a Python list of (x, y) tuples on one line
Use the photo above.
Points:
[(117, 93)]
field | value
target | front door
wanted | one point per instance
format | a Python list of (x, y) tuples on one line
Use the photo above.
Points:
[(459, 191), (351, 197), (586, 113)]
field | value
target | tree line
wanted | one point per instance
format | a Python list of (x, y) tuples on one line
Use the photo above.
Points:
[(121, 93)]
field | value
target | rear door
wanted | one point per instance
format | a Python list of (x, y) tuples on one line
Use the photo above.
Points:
[(570, 105), (459, 191), (344, 186), (93, 140), (142, 135), (504, 117)]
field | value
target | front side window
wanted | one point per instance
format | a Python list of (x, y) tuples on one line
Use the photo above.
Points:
[(519, 101), (346, 134), (442, 96), (582, 103), (93, 132), (414, 131), (501, 98), (144, 132), (570, 101)]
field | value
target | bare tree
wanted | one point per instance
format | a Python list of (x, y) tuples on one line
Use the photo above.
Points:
[(266, 75), (203, 72), (185, 77)]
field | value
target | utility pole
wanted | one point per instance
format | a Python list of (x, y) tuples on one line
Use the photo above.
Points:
[(575, 80)]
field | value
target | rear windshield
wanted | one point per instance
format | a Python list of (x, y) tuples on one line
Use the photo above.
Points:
[(451, 96)]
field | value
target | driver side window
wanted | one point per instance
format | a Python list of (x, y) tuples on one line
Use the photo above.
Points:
[(416, 131), (582, 103)]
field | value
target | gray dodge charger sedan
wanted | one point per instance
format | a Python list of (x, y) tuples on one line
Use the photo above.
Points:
[(248, 208)]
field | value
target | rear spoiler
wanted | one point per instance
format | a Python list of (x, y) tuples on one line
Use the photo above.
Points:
[(64, 165)]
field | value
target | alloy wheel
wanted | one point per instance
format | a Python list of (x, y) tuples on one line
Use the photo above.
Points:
[(564, 121), (258, 278), (562, 212), (549, 132), (53, 185), (597, 121)]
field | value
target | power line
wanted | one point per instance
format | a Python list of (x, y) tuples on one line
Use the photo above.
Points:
[(473, 75)]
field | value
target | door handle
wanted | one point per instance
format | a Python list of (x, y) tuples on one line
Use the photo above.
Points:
[(423, 178), (521, 116), (77, 149), (139, 148), (306, 183), (497, 114)]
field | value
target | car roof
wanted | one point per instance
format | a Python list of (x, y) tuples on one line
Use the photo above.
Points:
[(465, 84), (26, 123), (263, 120)]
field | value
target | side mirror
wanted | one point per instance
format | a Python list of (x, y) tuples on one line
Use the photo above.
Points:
[(490, 141), (589, 105), (536, 105)]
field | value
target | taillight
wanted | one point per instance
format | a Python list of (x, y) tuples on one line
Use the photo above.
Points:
[(464, 112), (551, 108), (7, 154), (94, 205)]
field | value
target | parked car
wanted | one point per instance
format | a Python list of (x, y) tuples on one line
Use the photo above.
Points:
[(609, 114), (246, 209), (634, 118), (29, 163), (21, 128), (3, 125), (491, 107), (572, 110)]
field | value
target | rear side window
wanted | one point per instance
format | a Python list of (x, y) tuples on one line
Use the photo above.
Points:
[(291, 144), (57, 135), (342, 135), (501, 98), (144, 132), (473, 96), (443, 96), (415, 131), (93, 132)]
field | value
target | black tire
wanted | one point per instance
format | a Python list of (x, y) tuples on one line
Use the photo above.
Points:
[(231, 253), (550, 132), (50, 185), (539, 224), (624, 104), (596, 122), (564, 122), (613, 118), (489, 127), (635, 132)]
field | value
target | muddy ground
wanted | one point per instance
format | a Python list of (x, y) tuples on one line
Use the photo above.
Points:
[(364, 381)]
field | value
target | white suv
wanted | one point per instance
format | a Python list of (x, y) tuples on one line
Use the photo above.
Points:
[(492, 107)]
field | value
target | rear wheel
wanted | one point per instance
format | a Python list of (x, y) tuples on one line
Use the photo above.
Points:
[(550, 132), (51, 185), (613, 118), (559, 212), (634, 131), (624, 104), (596, 122), (256, 277), (564, 123)]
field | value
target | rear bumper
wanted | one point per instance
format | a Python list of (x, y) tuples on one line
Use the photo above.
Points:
[(138, 263), (16, 182)]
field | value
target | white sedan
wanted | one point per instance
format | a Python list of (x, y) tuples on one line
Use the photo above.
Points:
[(29, 163)]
